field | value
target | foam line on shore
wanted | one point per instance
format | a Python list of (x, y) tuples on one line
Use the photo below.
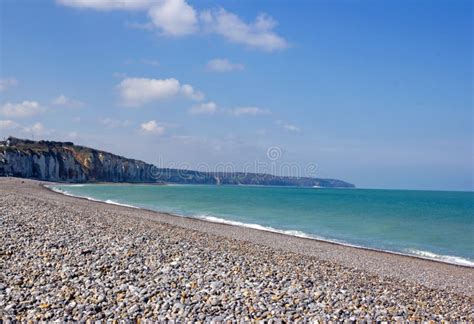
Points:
[(113, 202), (108, 201), (214, 219), (409, 252), (426, 255), (445, 258)]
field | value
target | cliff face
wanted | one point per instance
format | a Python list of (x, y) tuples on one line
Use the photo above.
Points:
[(240, 178), (66, 162), (57, 161)]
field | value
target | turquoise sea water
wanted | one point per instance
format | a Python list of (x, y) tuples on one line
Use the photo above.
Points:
[(430, 224)]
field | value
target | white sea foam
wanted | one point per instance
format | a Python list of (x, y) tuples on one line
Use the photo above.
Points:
[(112, 202), (64, 192), (437, 257), (108, 201), (411, 252), (256, 226)]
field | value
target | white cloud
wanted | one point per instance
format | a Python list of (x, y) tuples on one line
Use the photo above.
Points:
[(178, 18), (37, 129), (139, 91), (154, 63), (107, 4), (291, 128), (191, 93), (6, 83), (250, 111), (114, 123), (223, 65), (21, 109), (288, 127), (152, 127), (64, 101), (8, 124), (174, 17), (258, 34), (204, 108)]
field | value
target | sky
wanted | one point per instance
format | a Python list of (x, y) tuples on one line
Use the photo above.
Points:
[(376, 93)]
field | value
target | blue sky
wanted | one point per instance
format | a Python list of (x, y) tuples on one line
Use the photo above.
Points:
[(378, 93)]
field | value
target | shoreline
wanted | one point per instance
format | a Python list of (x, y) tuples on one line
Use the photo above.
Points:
[(262, 228), (72, 259), (394, 264)]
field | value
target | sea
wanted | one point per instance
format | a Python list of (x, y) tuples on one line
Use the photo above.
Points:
[(435, 225)]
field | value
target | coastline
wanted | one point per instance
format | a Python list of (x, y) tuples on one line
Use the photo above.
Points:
[(194, 223), (302, 235), (240, 272)]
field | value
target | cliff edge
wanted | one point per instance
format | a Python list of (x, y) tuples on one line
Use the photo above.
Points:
[(66, 162)]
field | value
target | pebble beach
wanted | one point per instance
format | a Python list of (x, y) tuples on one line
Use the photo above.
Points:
[(69, 259)]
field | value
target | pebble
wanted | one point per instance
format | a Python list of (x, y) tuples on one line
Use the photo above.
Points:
[(69, 260), (133, 309)]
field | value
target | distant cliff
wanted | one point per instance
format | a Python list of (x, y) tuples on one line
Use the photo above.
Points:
[(58, 161), (66, 162)]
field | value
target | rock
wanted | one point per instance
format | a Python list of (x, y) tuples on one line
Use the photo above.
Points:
[(133, 309), (214, 300), (217, 284), (214, 279), (10, 308), (101, 298)]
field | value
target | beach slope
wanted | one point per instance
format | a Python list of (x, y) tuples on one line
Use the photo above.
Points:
[(65, 258)]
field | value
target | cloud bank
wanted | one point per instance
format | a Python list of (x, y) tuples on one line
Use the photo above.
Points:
[(258, 34), (136, 92), (106, 5), (21, 109), (174, 17), (37, 129), (178, 18), (249, 111), (207, 108), (64, 101), (8, 124), (152, 127)]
